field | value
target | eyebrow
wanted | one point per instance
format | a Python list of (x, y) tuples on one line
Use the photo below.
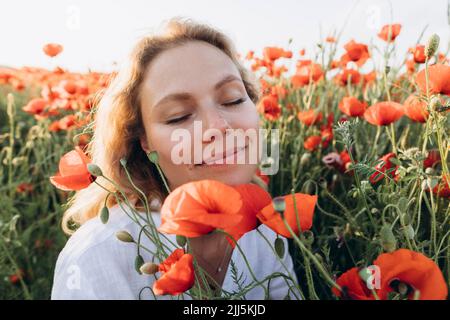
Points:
[(184, 96)]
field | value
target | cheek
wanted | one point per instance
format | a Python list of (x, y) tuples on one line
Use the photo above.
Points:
[(247, 119), (160, 140)]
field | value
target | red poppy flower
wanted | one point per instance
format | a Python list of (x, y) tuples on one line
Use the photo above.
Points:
[(269, 107), (356, 52), (339, 161), (384, 165), (73, 173), (197, 208), (442, 189), (384, 113), (306, 72), (312, 142), (178, 274), (348, 75), (15, 278), (305, 205), (24, 187), (35, 106), (274, 53), (354, 288), (411, 66), (390, 32), (438, 79), (309, 117), (352, 106), (416, 109), (52, 49), (419, 53), (254, 198), (415, 270), (433, 157)]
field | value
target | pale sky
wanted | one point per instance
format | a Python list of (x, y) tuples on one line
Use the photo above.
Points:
[(96, 33)]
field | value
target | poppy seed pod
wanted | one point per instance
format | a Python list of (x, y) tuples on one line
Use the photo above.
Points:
[(432, 46)]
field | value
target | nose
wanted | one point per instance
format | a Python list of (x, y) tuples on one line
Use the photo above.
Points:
[(215, 126)]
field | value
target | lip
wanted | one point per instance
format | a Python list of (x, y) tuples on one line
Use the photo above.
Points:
[(222, 156)]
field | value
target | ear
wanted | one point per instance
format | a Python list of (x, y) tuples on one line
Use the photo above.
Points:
[(144, 144)]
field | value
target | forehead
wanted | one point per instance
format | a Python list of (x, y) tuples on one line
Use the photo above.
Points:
[(192, 67)]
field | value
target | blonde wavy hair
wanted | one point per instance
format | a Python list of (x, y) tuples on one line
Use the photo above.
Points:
[(118, 125)]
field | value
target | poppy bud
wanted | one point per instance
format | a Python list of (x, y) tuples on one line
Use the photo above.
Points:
[(153, 157), (124, 236), (432, 46), (364, 274), (305, 159), (279, 204), (307, 237), (138, 262), (104, 214), (181, 240), (409, 231), (94, 170), (429, 171), (279, 247), (308, 187), (388, 240), (323, 183), (149, 268)]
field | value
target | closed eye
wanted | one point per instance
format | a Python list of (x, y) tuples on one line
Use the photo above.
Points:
[(234, 102), (177, 120)]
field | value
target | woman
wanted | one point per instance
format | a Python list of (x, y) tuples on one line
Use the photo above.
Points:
[(185, 74)]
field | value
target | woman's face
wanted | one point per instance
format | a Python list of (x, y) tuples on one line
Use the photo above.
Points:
[(196, 85)]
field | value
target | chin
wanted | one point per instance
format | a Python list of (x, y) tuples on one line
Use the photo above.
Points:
[(228, 174)]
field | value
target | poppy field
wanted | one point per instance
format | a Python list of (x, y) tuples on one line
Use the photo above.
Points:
[(364, 166)]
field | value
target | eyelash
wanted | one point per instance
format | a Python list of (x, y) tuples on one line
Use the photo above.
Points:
[(177, 120)]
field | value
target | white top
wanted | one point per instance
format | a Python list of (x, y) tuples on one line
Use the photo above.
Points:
[(94, 264)]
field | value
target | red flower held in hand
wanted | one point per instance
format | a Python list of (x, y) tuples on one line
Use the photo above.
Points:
[(254, 198), (52, 49), (73, 173), (199, 207), (178, 274), (384, 165), (384, 113), (305, 205), (414, 270)]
